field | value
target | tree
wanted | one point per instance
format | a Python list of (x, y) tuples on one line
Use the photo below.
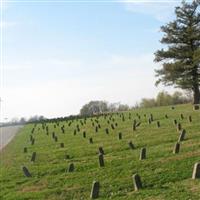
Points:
[(94, 107), (181, 59)]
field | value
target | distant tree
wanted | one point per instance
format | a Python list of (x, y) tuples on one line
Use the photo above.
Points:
[(164, 99), (94, 107), (123, 107), (147, 103), (181, 59)]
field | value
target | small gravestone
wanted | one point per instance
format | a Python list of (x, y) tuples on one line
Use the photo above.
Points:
[(62, 145), (137, 182), (179, 127), (84, 134), (74, 132), (112, 126), (190, 118), (56, 138), (107, 131), (71, 167), (158, 124), (101, 160), (26, 171), (166, 116), (196, 171), (33, 157), (149, 121), (131, 145), (25, 149), (175, 122), (91, 141), (143, 154), (151, 117), (182, 117), (95, 190), (172, 107), (196, 107), (67, 156), (96, 129), (120, 136), (182, 135), (176, 148), (101, 151)]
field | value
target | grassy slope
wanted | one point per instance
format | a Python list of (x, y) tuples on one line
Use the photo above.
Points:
[(164, 175)]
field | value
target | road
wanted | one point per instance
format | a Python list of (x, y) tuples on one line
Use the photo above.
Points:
[(7, 134)]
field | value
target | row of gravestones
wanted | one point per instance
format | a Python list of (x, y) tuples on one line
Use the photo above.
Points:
[(136, 179)]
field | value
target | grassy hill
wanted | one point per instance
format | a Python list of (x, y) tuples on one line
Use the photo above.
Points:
[(164, 175)]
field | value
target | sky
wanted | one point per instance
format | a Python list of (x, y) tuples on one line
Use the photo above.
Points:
[(58, 55)]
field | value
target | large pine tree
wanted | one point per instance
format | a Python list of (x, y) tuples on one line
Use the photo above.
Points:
[(181, 58)]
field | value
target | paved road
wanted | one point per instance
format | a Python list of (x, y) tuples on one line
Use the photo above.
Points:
[(7, 133)]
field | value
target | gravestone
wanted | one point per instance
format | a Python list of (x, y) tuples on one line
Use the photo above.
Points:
[(74, 132), (62, 145), (166, 116), (137, 182), (120, 136), (196, 171), (107, 131), (176, 148), (26, 171), (158, 124), (182, 135), (56, 138), (95, 190), (101, 160), (25, 149), (182, 117), (131, 145), (101, 151), (84, 134), (91, 140), (71, 167), (33, 157), (196, 107), (175, 122), (143, 154), (179, 127), (190, 118), (67, 156)]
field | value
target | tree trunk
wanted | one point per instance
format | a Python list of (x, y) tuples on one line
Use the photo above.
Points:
[(196, 94)]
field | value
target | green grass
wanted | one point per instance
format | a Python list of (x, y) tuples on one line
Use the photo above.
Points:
[(164, 175)]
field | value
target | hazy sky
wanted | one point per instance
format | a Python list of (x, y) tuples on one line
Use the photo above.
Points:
[(57, 56)]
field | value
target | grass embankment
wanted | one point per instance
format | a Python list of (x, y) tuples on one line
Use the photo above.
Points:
[(164, 175)]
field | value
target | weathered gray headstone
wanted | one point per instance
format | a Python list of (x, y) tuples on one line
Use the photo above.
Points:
[(182, 135), (33, 157), (158, 124), (196, 107), (143, 154), (84, 134), (101, 151), (25, 149), (26, 171), (95, 190), (131, 145), (176, 148), (71, 167), (179, 127), (107, 131), (190, 118), (137, 182), (196, 171), (91, 140), (101, 160)]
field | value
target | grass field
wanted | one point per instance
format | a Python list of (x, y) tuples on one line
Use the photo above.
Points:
[(164, 175)]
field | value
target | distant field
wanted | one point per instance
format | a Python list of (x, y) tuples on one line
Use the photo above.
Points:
[(164, 175), (7, 133)]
